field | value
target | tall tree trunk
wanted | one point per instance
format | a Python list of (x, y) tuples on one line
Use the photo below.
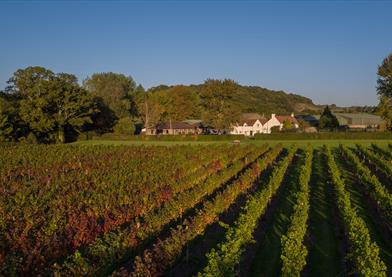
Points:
[(61, 135)]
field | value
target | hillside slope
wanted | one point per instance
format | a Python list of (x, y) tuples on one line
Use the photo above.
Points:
[(253, 99)]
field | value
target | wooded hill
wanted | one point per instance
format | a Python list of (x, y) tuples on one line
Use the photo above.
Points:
[(252, 99), (218, 103)]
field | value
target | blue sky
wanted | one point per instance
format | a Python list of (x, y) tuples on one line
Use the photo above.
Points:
[(328, 51)]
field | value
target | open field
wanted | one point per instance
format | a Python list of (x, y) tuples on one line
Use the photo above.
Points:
[(140, 208), (302, 143)]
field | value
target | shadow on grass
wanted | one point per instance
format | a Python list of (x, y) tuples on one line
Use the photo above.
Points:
[(266, 261), (325, 256)]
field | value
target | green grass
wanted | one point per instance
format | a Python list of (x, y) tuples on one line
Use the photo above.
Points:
[(300, 143), (324, 258), (267, 260)]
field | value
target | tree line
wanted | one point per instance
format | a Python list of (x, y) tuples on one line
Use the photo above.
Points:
[(39, 105)]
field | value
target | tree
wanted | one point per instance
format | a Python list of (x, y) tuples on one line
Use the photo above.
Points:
[(103, 120), (117, 91), (51, 103), (174, 103), (384, 90), (287, 125), (125, 126), (216, 102), (179, 103), (150, 108), (385, 111), (328, 120)]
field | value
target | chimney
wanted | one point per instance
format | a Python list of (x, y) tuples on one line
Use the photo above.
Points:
[(273, 115)]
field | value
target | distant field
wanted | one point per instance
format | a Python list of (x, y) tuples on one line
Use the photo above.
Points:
[(314, 142), (100, 208)]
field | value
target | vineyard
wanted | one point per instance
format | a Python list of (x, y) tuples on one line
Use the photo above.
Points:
[(201, 210)]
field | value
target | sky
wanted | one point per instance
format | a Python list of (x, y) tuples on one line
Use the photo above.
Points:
[(325, 50)]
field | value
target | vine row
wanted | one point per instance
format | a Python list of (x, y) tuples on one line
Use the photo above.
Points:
[(223, 260), (364, 253), (377, 160), (376, 189), (294, 251), (114, 247), (156, 260)]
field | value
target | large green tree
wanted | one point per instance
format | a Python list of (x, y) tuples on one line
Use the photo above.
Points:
[(150, 108), (175, 103), (384, 90), (50, 103), (328, 120), (117, 91), (218, 108), (179, 103)]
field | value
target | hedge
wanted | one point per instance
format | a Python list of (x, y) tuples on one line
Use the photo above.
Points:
[(278, 136)]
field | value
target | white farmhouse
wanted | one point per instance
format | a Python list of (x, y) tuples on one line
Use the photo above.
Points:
[(279, 120), (253, 123), (249, 125)]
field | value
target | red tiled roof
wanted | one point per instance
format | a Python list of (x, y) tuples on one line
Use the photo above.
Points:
[(283, 118), (263, 120)]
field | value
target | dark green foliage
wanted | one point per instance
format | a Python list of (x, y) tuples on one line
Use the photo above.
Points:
[(103, 120), (385, 111), (328, 120), (115, 90), (219, 109), (384, 82), (50, 104), (287, 125), (384, 90)]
